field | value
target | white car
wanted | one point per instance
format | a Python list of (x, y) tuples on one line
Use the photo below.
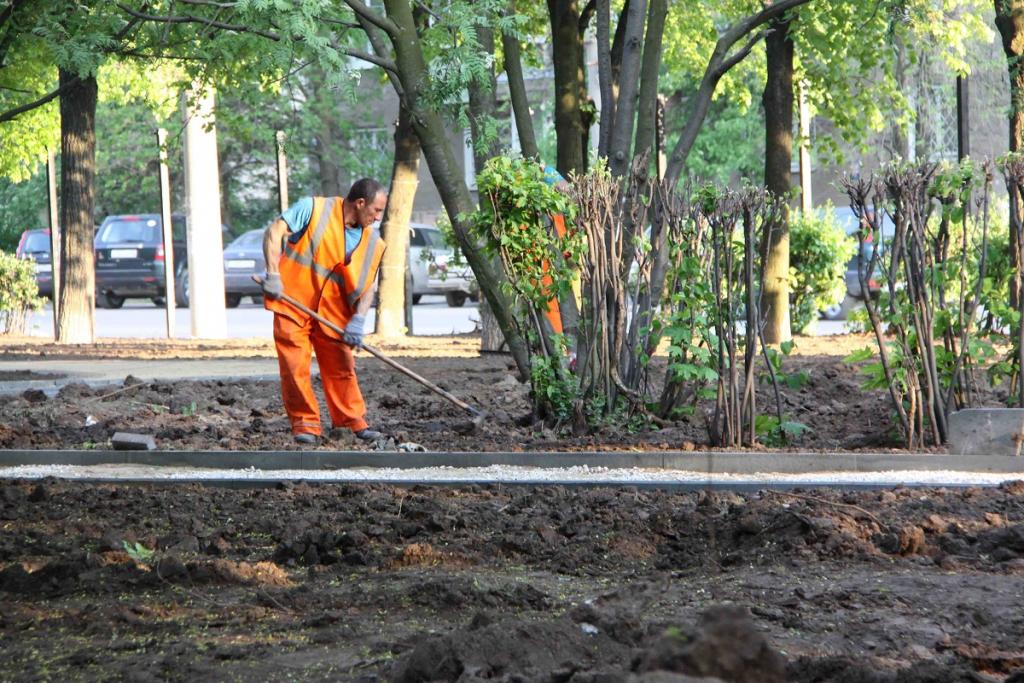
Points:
[(426, 248)]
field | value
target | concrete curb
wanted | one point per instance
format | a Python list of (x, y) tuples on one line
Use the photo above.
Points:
[(697, 461), (51, 387)]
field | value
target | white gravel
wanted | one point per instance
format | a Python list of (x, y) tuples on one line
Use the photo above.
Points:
[(506, 473)]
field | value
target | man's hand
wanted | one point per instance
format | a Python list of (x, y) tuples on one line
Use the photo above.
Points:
[(354, 330), (273, 288)]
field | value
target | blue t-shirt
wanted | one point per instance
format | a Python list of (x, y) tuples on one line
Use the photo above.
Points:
[(297, 217)]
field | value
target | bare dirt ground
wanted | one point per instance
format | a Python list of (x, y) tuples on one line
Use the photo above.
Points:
[(367, 583), (371, 583), (245, 414)]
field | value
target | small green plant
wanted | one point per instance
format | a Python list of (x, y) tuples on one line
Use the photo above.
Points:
[(19, 293), (189, 410), (138, 552), (774, 432), (819, 251)]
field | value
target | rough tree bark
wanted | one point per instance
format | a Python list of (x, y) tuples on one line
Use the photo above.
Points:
[(395, 229), (1010, 22), (77, 198), (570, 85), (778, 158)]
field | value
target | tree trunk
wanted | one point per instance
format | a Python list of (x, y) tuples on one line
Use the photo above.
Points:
[(517, 94), (570, 85), (483, 104), (604, 77), (1010, 22), (647, 105), (77, 198), (621, 141), (395, 230), (430, 130), (778, 159)]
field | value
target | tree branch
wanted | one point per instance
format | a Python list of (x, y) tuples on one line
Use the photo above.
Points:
[(364, 13), (189, 19), (742, 53), (12, 114), (586, 14), (385, 64)]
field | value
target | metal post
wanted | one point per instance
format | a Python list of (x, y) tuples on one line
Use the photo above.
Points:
[(806, 201), (282, 172), (168, 233), (51, 186), (963, 104)]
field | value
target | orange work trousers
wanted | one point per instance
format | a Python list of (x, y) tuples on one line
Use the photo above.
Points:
[(295, 345)]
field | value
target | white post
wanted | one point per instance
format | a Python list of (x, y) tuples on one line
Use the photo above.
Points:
[(51, 186), (205, 284), (282, 172), (806, 201), (168, 233)]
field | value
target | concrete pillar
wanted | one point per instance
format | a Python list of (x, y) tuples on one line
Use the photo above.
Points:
[(202, 198)]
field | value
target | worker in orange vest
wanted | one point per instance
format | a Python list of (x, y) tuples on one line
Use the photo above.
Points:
[(324, 252)]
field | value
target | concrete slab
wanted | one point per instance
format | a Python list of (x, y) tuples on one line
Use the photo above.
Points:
[(987, 432)]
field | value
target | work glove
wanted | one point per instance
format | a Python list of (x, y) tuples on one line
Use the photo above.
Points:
[(354, 330), (272, 286)]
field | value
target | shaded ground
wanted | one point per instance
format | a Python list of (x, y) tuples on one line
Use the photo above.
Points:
[(514, 584), (247, 414)]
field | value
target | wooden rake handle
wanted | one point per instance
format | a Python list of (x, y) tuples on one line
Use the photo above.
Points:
[(379, 354)]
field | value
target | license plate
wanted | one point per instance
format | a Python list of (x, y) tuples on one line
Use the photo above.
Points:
[(124, 253), (241, 264), (43, 267)]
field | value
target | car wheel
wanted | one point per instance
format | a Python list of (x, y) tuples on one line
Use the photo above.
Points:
[(181, 288), (158, 301), (257, 299), (108, 300), (455, 299), (836, 311), (416, 298), (232, 300)]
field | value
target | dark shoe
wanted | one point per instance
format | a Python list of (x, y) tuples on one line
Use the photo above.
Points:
[(369, 434), (307, 439)]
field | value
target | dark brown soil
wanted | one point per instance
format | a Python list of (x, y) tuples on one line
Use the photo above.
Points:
[(510, 584), (244, 414)]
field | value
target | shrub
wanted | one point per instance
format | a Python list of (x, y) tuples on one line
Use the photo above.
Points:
[(819, 251), (19, 293)]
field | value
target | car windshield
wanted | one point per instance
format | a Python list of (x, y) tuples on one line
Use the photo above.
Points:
[(37, 241), (253, 238), (141, 230)]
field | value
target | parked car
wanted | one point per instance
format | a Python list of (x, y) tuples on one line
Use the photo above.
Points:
[(35, 245), (427, 248), (454, 278), (130, 259), (243, 258), (854, 293)]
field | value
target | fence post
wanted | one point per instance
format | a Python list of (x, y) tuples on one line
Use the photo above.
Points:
[(282, 172), (170, 301), (51, 187)]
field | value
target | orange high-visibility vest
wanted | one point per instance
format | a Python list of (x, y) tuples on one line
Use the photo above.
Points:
[(553, 313), (314, 272)]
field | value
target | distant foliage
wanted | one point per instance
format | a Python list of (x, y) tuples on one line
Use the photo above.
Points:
[(819, 250), (19, 293)]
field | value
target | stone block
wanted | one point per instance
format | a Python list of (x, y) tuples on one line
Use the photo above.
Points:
[(987, 431)]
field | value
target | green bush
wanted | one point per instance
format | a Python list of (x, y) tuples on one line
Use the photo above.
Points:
[(19, 293), (819, 250)]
